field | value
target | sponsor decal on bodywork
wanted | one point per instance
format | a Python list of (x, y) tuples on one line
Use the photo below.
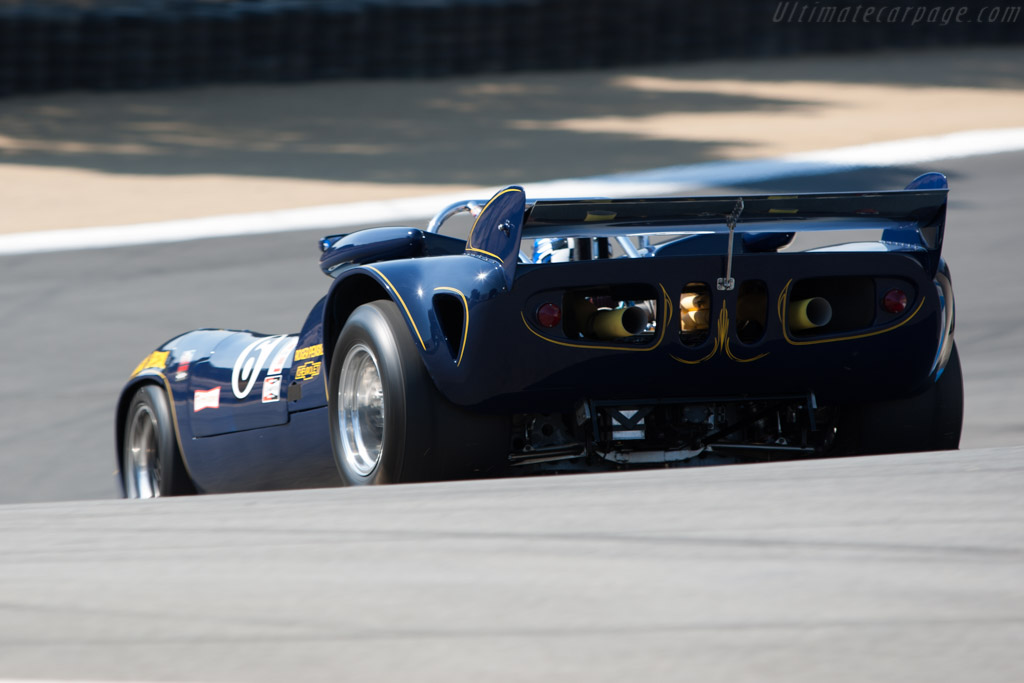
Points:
[(206, 399), (308, 371), (250, 363), (184, 362), (309, 352), (157, 359), (281, 357), (272, 389)]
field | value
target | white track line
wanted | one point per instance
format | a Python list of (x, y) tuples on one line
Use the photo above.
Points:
[(659, 181)]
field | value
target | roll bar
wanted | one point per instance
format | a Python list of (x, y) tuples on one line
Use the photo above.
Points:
[(471, 206), (474, 206)]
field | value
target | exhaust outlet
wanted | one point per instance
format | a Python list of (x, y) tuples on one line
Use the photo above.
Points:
[(694, 311), (618, 323), (806, 314), (695, 320)]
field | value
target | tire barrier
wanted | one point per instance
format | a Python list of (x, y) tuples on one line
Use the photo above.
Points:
[(104, 45)]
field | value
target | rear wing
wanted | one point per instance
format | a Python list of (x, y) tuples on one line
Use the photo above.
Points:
[(918, 213), (912, 219)]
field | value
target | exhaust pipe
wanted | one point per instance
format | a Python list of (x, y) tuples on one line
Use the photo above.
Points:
[(694, 302), (806, 314), (694, 320), (618, 323), (694, 311)]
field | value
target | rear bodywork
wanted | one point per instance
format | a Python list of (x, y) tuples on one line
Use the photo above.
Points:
[(251, 409)]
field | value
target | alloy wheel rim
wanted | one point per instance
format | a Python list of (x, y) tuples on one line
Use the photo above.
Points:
[(143, 480), (361, 414)]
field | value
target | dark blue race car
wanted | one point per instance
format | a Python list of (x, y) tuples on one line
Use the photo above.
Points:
[(574, 334)]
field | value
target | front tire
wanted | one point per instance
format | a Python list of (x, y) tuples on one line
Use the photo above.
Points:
[(151, 464)]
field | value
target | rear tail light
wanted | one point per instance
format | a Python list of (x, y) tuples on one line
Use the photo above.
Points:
[(549, 315), (895, 301)]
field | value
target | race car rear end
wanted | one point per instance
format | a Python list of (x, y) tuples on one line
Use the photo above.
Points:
[(693, 331)]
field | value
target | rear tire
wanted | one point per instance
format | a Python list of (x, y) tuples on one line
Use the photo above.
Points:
[(931, 421), (379, 401), (151, 464), (388, 422)]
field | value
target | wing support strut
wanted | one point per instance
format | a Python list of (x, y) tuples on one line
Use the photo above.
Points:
[(728, 283)]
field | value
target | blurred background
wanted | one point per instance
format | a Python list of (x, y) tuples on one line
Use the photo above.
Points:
[(112, 44), (190, 108)]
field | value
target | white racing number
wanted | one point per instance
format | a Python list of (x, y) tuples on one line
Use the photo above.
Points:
[(249, 364)]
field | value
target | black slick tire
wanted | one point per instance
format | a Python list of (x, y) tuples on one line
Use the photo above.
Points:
[(377, 328), (424, 437), (151, 463), (930, 421)]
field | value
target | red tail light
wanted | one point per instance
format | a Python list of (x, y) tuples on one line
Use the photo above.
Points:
[(895, 301), (549, 315)]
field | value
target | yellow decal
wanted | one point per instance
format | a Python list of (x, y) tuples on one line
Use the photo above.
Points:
[(599, 216), (308, 371), (309, 352), (157, 359)]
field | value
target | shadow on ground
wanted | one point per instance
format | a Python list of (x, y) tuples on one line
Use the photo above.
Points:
[(480, 130)]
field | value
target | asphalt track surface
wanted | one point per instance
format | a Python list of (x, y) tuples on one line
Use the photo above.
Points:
[(903, 568), (887, 568)]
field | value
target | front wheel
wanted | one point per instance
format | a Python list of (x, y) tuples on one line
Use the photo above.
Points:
[(151, 464)]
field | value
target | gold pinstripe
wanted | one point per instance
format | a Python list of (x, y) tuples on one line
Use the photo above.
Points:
[(469, 240), (465, 331), (732, 356), (708, 357), (401, 301), (661, 337), (486, 252), (174, 415), (782, 318), (722, 342)]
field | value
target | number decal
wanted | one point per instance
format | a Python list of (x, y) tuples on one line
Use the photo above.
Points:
[(250, 363)]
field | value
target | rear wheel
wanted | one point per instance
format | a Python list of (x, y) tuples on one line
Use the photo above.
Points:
[(931, 421), (388, 422), (151, 464)]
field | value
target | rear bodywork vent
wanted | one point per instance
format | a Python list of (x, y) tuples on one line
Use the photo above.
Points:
[(830, 305), (626, 313), (751, 311), (695, 313), (451, 318)]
